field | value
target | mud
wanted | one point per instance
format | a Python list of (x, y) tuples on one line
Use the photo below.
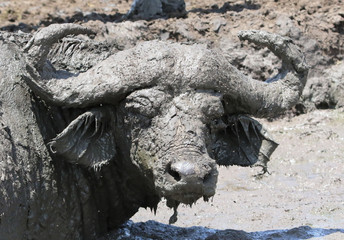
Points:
[(303, 196)]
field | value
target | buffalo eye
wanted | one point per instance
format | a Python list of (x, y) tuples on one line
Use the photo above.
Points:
[(145, 102), (142, 106)]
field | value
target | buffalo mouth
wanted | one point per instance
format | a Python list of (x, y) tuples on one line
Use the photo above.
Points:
[(189, 192), (186, 180)]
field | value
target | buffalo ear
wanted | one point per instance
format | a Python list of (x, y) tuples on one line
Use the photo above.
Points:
[(244, 142), (88, 140)]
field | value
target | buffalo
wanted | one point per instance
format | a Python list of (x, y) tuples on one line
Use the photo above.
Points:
[(81, 152)]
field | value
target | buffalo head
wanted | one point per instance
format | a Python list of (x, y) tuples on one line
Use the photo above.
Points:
[(173, 110)]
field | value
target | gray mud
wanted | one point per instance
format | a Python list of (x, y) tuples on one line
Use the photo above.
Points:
[(155, 230)]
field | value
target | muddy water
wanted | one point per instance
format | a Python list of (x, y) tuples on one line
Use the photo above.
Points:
[(156, 230)]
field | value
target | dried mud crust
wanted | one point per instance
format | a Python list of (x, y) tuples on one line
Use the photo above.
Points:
[(321, 20)]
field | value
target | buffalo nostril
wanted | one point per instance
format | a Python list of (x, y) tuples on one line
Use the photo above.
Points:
[(184, 168), (173, 173)]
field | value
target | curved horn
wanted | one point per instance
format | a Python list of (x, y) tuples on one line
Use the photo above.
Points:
[(278, 94), (39, 45), (183, 66), (107, 82)]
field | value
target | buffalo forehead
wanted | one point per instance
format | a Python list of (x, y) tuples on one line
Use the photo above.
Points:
[(205, 102)]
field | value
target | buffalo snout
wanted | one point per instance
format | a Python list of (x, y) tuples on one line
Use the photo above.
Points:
[(190, 177)]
